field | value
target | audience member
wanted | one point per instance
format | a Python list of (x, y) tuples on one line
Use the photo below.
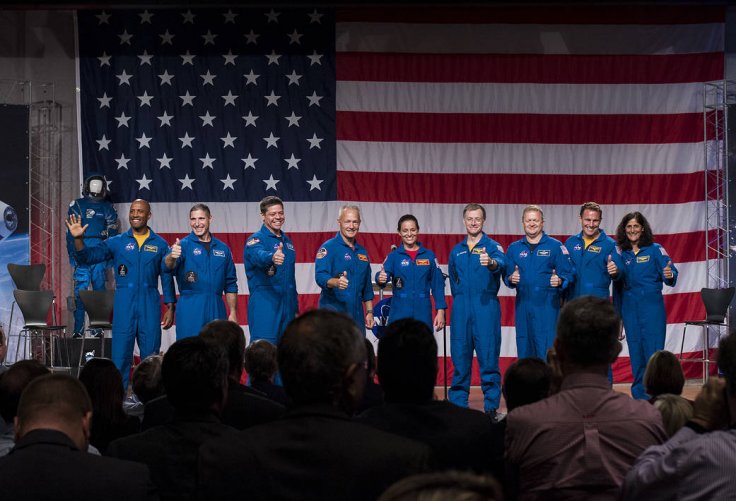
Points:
[(373, 393), (526, 381), (443, 486), (52, 427), (244, 407), (261, 366), (699, 460), (105, 388), (12, 383), (663, 375), (580, 442), (194, 373), (675, 410), (148, 389), (460, 438), (315, 451)]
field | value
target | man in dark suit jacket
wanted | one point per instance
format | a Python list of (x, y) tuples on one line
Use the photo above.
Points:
[(315, 451), (245, 406), (194, 372), (52, 430), (462, 439)]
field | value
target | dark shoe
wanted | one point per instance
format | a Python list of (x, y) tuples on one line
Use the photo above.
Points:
[(77, 335)]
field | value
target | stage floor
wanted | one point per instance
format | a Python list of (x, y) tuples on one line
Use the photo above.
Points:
[(692, 387)]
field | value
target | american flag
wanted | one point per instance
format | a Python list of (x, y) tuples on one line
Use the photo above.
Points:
[(407, 110)]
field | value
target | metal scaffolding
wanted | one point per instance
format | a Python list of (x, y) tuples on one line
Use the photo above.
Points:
[(719, 99)]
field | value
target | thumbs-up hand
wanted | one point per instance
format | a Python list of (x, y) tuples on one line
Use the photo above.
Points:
[(176, 249), (484, 259), (515, 277), (382, 276), (555, 280), (611, 267), (342, 282), (668, 271), (278, 256)]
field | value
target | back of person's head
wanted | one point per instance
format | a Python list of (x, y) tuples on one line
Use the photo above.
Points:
[(260, 361), (320, 355), (526, 381), (727, 361), (55, 401), (442, 486), (407, 361), (105, 388), (663, 374), (194, 372), (370, 358), (231, 337), (14, 381), (587, 333), (147, 382), (675, 410)]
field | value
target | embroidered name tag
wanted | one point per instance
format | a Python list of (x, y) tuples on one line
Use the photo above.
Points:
[(594, 248), (642, 259), (218, 253), (150, 248), (422, 262), (363, 257), (543, 252)]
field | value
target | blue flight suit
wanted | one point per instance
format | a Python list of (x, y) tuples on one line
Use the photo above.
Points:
[(273, 298), (102, 221), (591, 269), (202, 276), (412, 281), (335, 257), (591, 265), (642, 307), (476, 320), (537, 302), (137, 307)]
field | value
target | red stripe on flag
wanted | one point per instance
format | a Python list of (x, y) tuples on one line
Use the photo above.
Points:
[(578, 14), (520, 128), (524, 188), (525, 68)]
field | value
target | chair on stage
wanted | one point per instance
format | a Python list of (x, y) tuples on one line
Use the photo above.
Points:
[(98, 305), (46, 341), (717, 302), (27, 277)]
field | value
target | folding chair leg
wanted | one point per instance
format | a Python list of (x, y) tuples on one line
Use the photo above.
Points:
[(682, 344)]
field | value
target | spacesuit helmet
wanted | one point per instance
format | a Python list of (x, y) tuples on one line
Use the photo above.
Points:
[(95, 187)]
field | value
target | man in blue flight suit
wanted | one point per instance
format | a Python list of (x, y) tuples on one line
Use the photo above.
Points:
[(204, 270), (102, 221), (343, 271), (269, 257), (594, 256), (475, 269), (138, 259), (539, 268)]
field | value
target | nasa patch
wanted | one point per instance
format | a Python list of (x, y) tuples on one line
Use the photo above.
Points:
[(524, 253), (347, 256), (130, 246), (197, 251), (578, 247), (405, 262)]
